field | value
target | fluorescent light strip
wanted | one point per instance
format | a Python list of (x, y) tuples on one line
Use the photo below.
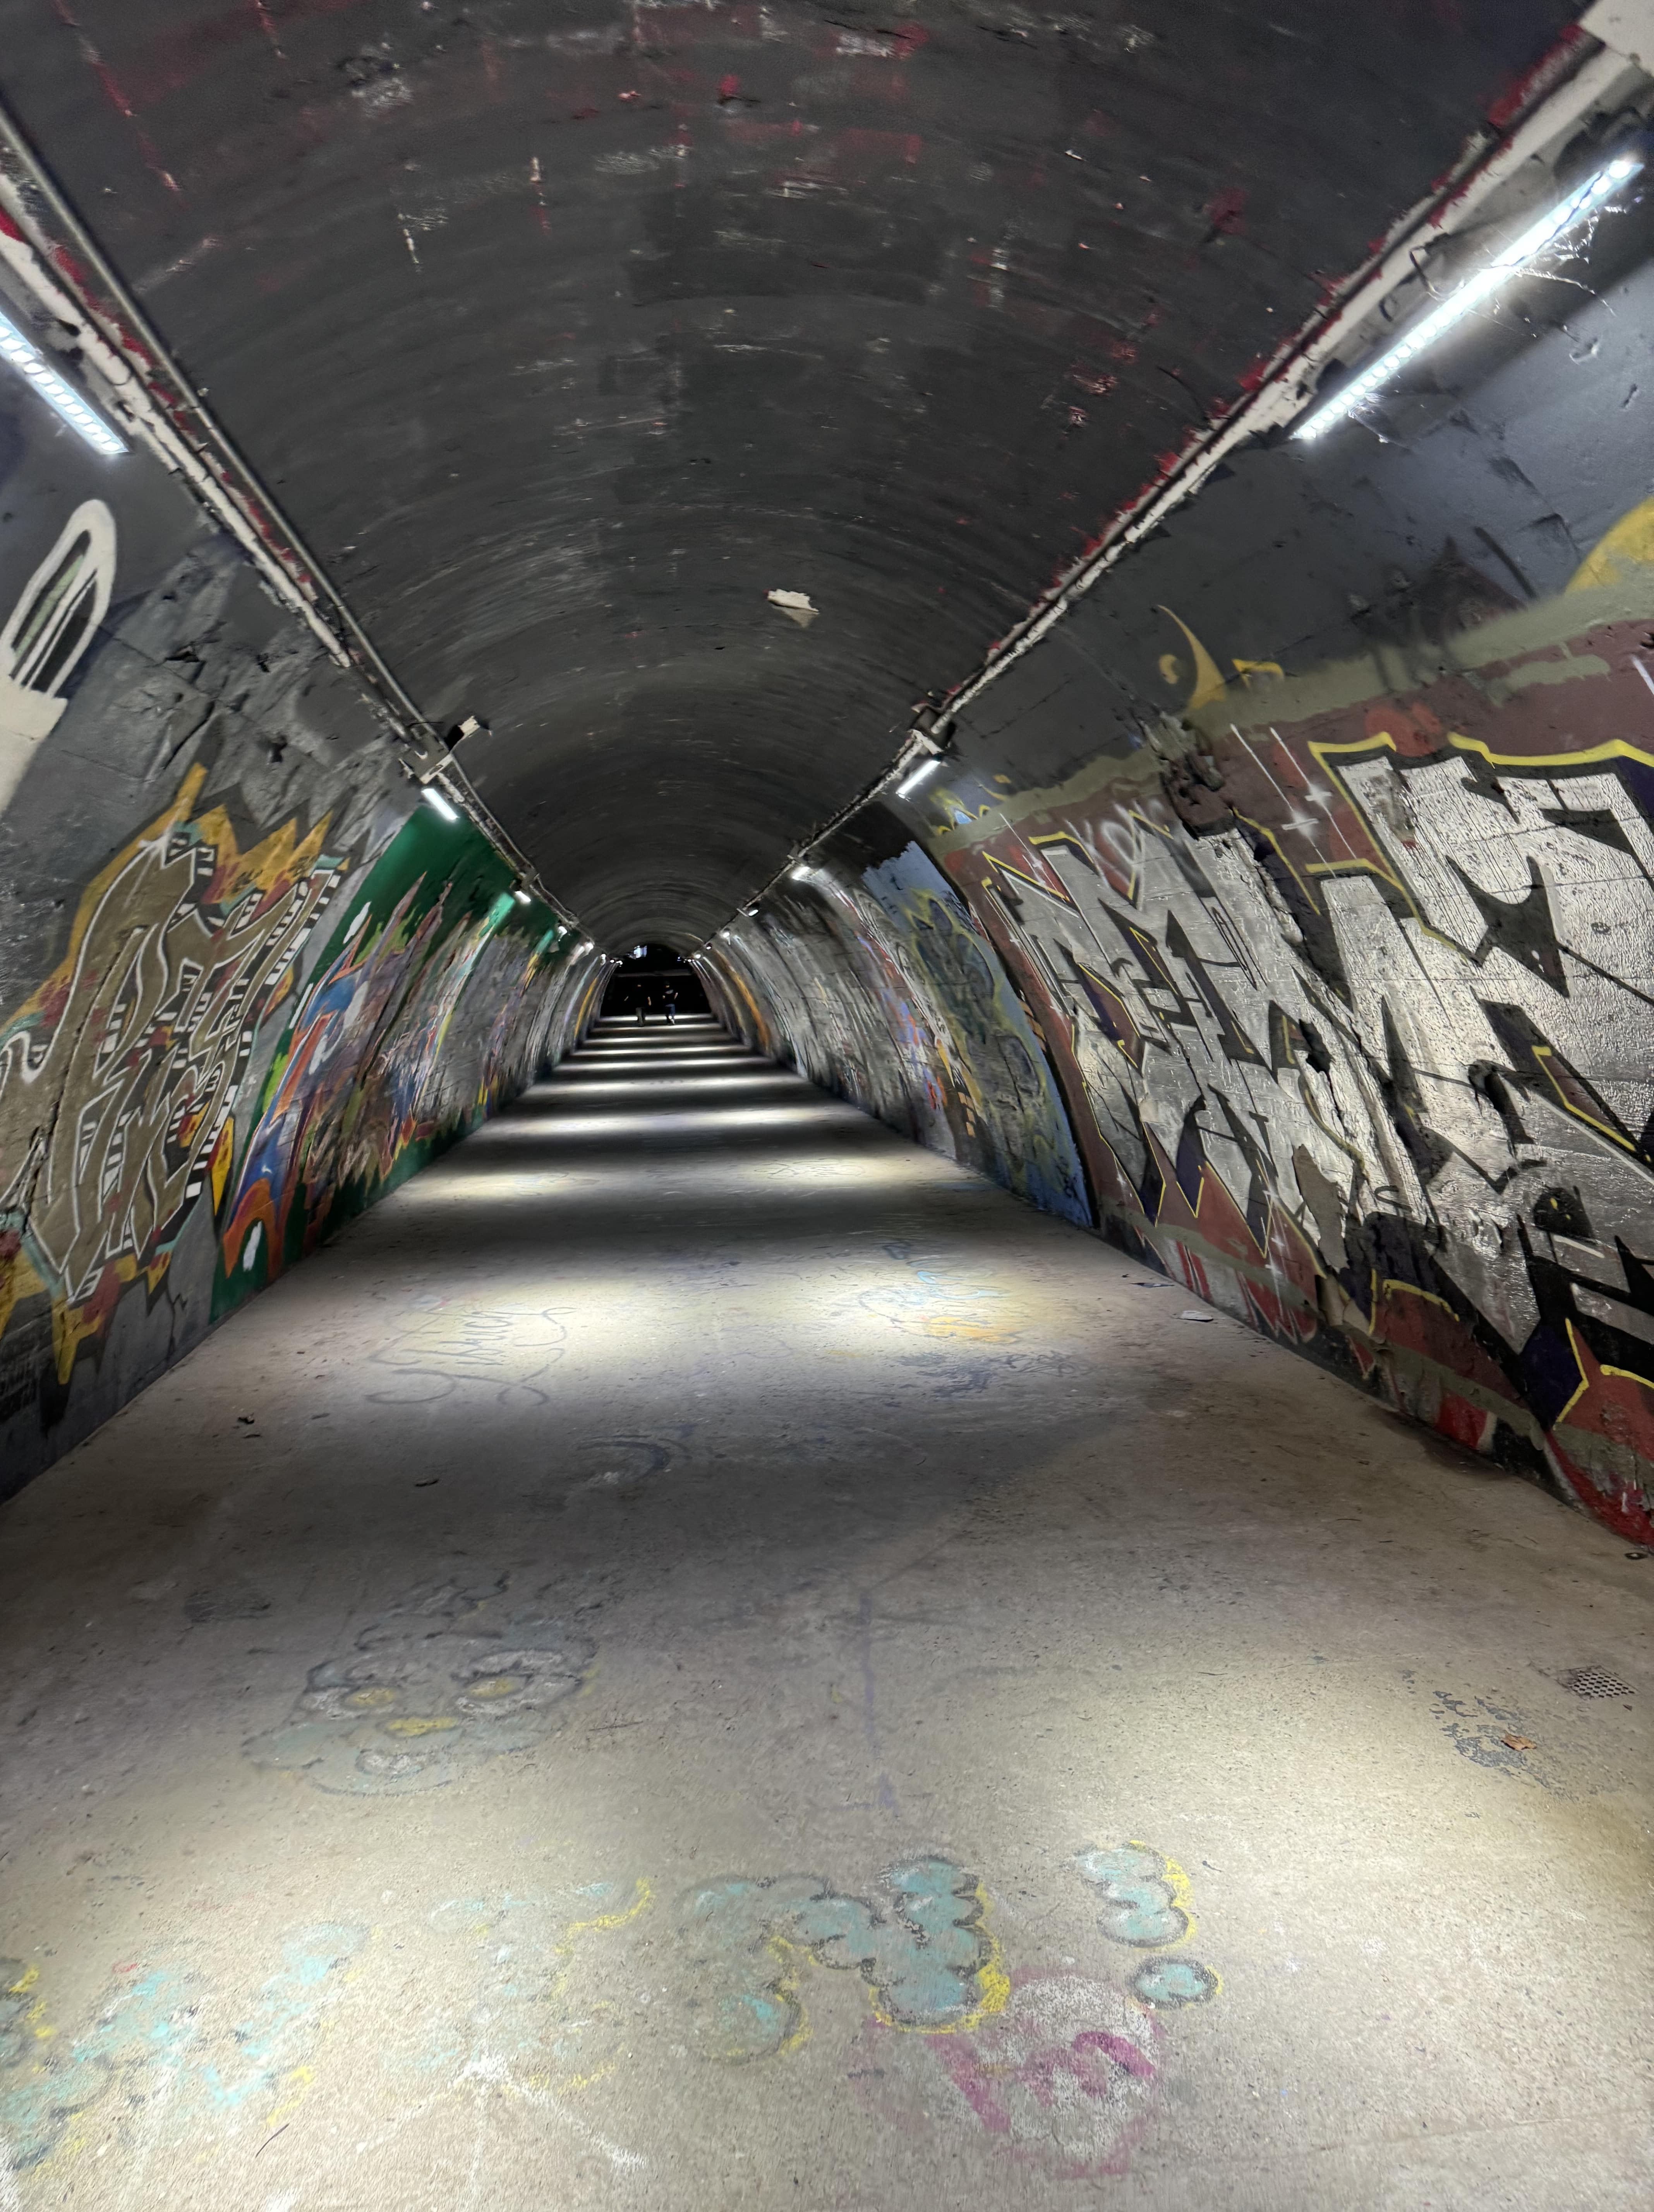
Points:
[(28, 360), (916, 777), (445, 808), (1516, 257)]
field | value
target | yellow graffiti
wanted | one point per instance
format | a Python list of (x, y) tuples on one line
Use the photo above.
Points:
[(644, 1897), (1208, 676), (1178, 1882), (1618, 556), (34, 2020)]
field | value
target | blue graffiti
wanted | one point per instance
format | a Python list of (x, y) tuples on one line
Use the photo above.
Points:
[(151, 2041), (927, 1962), (1138, 1906)]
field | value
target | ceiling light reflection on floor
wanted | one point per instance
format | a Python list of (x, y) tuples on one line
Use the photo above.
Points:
[(643, 1072), (653, 1087), (666, 1123), (832, 1177)]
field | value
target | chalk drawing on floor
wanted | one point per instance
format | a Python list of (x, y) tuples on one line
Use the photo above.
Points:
[(939, 1298), (507, 1348), (1146, 1905), (1063, 2076), (1065, 2072), (454, 1674), (530, 2014), (165, 2051), (925, 1957)]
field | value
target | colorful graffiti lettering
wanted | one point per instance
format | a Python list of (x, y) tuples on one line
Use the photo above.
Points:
[(1064, 2072), (1146, 1905), (1141, 1891), (542, 1998), (1336, 1064)]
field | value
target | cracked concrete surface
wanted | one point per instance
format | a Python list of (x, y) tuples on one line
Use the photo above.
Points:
[(701, 1656)]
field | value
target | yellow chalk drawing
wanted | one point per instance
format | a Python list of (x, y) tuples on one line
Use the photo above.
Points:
[(1178, 1881), (643, 1898)]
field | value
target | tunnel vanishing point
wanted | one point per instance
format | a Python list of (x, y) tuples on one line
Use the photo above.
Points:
[(826, 1105)]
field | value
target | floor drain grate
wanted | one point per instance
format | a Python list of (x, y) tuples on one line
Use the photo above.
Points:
[(1596, 1682)]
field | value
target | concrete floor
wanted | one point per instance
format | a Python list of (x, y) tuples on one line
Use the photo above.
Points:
[(701, 1656)]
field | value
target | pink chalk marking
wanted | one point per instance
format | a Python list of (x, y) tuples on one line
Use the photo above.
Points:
[(1120, 2049)]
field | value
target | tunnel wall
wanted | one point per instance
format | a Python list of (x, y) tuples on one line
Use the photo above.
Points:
[(876, 981), (1313, 847), (247, 982)]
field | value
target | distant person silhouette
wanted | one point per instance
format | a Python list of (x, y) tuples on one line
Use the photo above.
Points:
[(643, 1008), (669, 999)]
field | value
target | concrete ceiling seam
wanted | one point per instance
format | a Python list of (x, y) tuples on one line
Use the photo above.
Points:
[(96, 325)]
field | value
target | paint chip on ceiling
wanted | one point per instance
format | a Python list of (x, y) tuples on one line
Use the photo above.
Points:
[(795, 605)]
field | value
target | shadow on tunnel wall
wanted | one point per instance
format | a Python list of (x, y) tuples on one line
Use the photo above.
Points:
[(1288, 912), (247, 984)]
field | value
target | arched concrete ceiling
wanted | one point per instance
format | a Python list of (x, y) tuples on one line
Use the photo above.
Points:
[(566, 330)]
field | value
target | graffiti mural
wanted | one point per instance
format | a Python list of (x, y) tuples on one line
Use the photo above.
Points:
[(1356, 1001), (55, 620), (890, 993), (1343, 973), (119, 1075), (372, 1071), (122, 1073), (250, 983)]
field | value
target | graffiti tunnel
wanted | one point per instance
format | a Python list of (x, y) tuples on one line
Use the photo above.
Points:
[(827, 1096)]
